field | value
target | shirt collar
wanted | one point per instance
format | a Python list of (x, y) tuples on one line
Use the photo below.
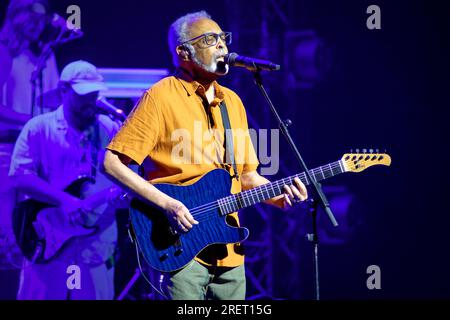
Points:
[(61, 121), (193, 87)]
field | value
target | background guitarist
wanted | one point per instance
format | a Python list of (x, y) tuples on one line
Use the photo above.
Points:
[(179, 106), (52, 151)]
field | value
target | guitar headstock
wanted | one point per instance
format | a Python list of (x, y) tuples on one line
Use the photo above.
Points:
[(357, 162)]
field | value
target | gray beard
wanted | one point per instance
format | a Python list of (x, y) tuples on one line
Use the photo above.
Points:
[(220, 68)]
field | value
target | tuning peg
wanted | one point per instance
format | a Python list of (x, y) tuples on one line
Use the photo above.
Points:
[(364, 150), (377, 150), (370, 150), (356, 150)]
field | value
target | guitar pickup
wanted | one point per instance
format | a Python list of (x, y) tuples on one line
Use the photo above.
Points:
[(163, 257)]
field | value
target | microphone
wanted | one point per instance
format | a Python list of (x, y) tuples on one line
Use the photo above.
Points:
[(252, 64), (59, 31), (110, 109), (61, 23)]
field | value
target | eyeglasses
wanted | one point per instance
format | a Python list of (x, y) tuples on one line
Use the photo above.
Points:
[(210, 39)]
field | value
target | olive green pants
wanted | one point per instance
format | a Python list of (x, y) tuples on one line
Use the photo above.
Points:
[(199, 282)]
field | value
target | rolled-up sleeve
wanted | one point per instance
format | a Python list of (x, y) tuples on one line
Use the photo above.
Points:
[(140, 131)]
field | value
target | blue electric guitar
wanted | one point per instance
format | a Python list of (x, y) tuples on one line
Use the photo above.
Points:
[(209, 200)]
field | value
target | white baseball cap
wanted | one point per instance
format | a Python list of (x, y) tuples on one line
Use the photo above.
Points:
[(83, 77)]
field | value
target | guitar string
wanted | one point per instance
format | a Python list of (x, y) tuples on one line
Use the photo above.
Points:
[(250, 193), (199, 212), (204, 211), (261, 190), (200, 215), (256, 192)]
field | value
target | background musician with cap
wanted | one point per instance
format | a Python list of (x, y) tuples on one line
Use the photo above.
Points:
[(52, 151)]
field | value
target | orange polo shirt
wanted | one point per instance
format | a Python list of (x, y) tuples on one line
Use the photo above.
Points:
[(178, 137)]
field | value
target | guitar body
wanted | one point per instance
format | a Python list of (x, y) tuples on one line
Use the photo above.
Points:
[(166, 251), (40, 229)]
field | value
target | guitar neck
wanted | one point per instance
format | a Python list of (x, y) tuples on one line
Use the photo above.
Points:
[(267, 191)]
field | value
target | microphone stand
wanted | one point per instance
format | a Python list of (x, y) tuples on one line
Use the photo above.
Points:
[(320, 197), (37, 74)]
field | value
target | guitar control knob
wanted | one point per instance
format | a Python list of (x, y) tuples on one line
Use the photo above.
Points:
[(178, 252)]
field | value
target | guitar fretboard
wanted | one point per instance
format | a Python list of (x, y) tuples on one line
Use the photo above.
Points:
[(267, 191)]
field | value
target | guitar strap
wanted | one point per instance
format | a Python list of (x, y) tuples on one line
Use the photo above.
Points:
[(229, 146), (95, 146)]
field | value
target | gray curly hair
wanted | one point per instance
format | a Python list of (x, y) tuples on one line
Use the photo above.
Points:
[(178, 32)]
